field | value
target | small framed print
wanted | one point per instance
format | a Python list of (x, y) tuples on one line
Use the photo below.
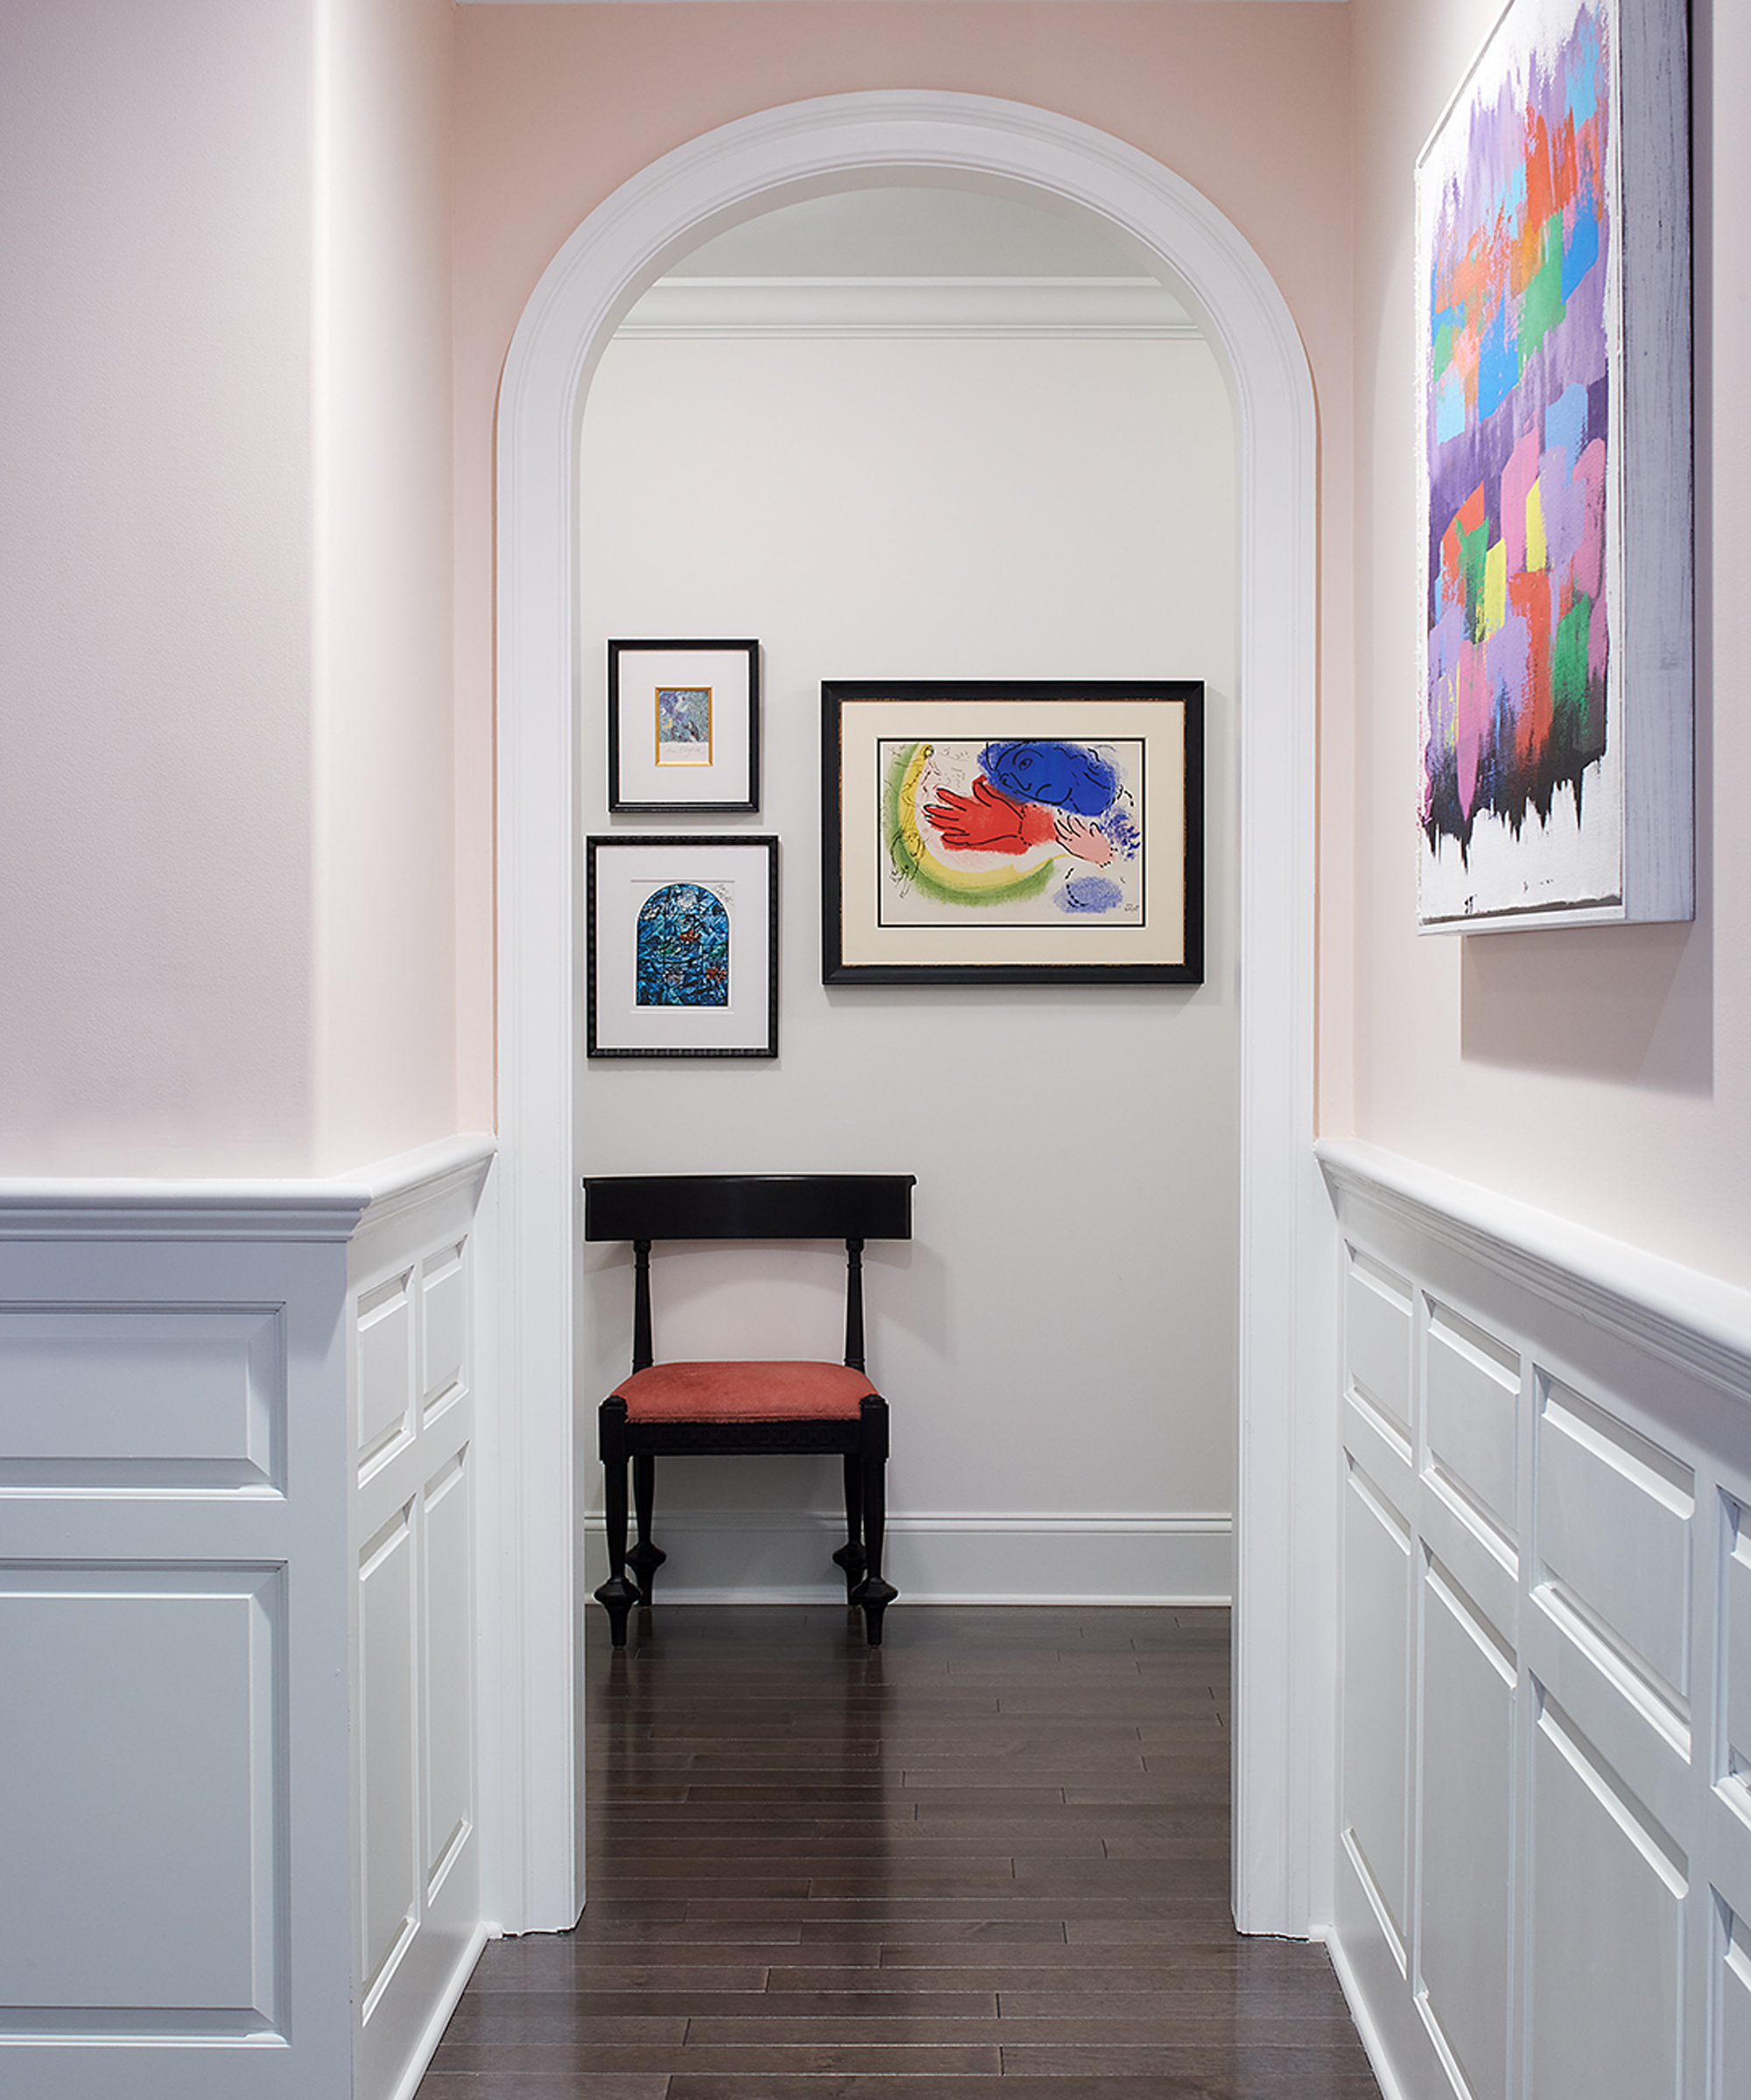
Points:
[(682, 936), (1001, 833), (683, 726)]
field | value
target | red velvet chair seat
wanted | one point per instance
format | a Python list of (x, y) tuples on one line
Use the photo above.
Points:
[(742, 1392)]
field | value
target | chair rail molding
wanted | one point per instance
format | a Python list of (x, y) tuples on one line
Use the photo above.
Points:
[(1695, 1322), (1284, 1710)]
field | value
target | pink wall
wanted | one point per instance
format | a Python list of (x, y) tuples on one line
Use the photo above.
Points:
[(557, 106), (157, 958), (228, 939), (385, 1024), (1606, 1073)]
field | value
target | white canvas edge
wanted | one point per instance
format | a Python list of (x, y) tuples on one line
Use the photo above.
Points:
[(1659, 818)]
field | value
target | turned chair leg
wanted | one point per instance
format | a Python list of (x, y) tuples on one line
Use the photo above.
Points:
[(644, 1559), (872, 1594), (850, 1556), (616, 1596)]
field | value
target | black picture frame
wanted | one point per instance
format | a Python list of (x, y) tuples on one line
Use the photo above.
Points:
[(1113, 895), (623, 875), (715, 768)]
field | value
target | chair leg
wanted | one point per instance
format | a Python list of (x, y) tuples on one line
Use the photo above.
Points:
[(850, 1556), (644, 1558), (872, 1594), (616, 1596)]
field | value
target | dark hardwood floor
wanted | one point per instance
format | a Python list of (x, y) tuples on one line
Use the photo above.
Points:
[(996, 1848)]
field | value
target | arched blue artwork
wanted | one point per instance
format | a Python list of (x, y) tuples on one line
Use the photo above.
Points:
[(682, 948)]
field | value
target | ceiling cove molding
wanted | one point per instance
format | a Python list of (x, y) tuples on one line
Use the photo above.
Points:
[(1285, 1667), (876, 308)]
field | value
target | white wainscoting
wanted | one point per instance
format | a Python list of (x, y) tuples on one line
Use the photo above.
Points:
[(1544, 1885), (194, 1875), (411, 1411), (785, 1556)]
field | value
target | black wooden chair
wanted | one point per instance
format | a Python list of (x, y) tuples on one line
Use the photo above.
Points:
[(722, 1408)]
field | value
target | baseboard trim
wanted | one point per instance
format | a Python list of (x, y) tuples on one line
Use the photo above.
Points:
[(783, 1556), (427, 2047), (1373, 2041)]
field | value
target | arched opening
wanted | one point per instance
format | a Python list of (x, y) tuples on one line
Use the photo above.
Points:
[(912, 432), (1283, 1612)]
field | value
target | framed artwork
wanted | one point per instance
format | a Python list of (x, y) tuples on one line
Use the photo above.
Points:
[(683, 726), (1004, 832), (1553, 272), (682, 947)]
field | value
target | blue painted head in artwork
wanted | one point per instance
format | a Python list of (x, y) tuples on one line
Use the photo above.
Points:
[(1065, 777)]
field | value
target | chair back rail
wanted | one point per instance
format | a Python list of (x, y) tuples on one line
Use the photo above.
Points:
[(748, 1206), (851, 1207)]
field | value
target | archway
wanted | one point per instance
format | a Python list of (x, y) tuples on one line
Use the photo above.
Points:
[(1282, 1677)]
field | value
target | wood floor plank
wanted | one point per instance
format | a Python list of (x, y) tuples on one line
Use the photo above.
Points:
[(988, 1861)]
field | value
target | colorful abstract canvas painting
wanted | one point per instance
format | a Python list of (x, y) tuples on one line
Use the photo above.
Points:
[(1554, 736), (995, 832)]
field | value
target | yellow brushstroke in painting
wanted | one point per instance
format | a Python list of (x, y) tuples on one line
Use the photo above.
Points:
[(955, 878)]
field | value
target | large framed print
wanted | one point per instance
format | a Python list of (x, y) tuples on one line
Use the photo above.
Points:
[(1004, 832), (683, 726), (682, 947), (1554, 441)]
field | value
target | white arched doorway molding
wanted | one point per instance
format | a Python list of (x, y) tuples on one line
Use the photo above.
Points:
[(1284, 1661)]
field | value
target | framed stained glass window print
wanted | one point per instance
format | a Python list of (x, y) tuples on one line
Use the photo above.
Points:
[(1003, 832), (682, 947), (683, 726), (1554, 442)]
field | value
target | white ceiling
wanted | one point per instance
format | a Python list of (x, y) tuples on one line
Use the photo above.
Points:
[(910, 232)]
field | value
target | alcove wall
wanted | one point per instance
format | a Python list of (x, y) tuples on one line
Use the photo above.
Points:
[(1057, 1342)]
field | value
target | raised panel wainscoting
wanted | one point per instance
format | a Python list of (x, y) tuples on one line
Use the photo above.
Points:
[(236, 1435), (1544, 1862)]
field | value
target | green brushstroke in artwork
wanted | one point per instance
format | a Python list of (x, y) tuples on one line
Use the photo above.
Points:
[(1568, 671), (923, 869), (1543, 307), (1473, 554)]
